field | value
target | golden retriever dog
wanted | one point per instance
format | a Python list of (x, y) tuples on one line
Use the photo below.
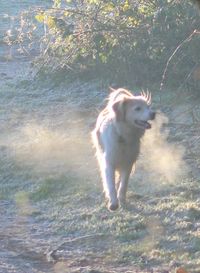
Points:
[(117, 137)]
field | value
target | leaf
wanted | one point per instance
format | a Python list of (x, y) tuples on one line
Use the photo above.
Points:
[(103, 58), (93, 1), (108, 7), (67, 13), (181, 270), (126, 5), (57, 3), (40, 17), (50, 22)]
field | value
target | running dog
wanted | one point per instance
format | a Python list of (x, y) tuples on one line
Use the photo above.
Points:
[(116, 137)]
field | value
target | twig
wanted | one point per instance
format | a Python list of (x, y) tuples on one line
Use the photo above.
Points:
[(175, 51), (188, 76), (51, 255)]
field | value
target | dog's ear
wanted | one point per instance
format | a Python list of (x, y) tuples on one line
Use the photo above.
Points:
[(119, 108), (110, 89)]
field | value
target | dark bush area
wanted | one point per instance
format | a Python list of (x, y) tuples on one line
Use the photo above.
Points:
[(127, 42)]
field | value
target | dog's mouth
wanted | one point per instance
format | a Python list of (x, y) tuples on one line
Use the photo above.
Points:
[(142, 124)]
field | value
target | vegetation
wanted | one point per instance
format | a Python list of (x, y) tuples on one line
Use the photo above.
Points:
[(127, 41), (53, 217)]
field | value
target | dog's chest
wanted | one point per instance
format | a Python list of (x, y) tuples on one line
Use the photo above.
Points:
[(125, 153), (121, 149)]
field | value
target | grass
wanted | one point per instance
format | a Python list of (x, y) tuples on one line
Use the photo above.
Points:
[(142, 235), (64, 203), (152, 232)]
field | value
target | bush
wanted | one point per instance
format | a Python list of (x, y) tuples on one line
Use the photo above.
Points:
[(127, 41)]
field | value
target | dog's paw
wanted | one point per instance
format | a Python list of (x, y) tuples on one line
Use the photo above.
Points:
[(113, 206)]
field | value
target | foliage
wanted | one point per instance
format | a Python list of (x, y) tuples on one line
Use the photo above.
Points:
[(128, 41)]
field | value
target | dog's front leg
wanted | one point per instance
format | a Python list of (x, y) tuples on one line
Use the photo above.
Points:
[(108, 175), (123, 184)]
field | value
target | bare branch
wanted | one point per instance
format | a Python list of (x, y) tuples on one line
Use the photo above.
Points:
[(188, 39)]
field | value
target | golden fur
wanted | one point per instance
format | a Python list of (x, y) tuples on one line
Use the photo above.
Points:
[(116, 137)]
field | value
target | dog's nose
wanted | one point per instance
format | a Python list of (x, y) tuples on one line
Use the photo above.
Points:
[(153, 115)]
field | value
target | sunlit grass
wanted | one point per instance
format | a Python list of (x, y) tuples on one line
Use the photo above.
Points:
[(150, 232), (158, 228)]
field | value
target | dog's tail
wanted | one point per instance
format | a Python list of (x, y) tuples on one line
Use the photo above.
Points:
[(98, 145), (96, 138)]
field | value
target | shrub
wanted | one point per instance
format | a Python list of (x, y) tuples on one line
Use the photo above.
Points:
[(128, 41)]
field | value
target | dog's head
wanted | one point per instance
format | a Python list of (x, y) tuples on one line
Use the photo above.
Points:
[(135, 110)]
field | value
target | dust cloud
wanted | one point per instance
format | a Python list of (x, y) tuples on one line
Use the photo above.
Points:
[(68, 148), (51, 150), (163, 159)]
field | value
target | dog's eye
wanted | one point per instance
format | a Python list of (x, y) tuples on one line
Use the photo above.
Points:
[(138, 108)]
